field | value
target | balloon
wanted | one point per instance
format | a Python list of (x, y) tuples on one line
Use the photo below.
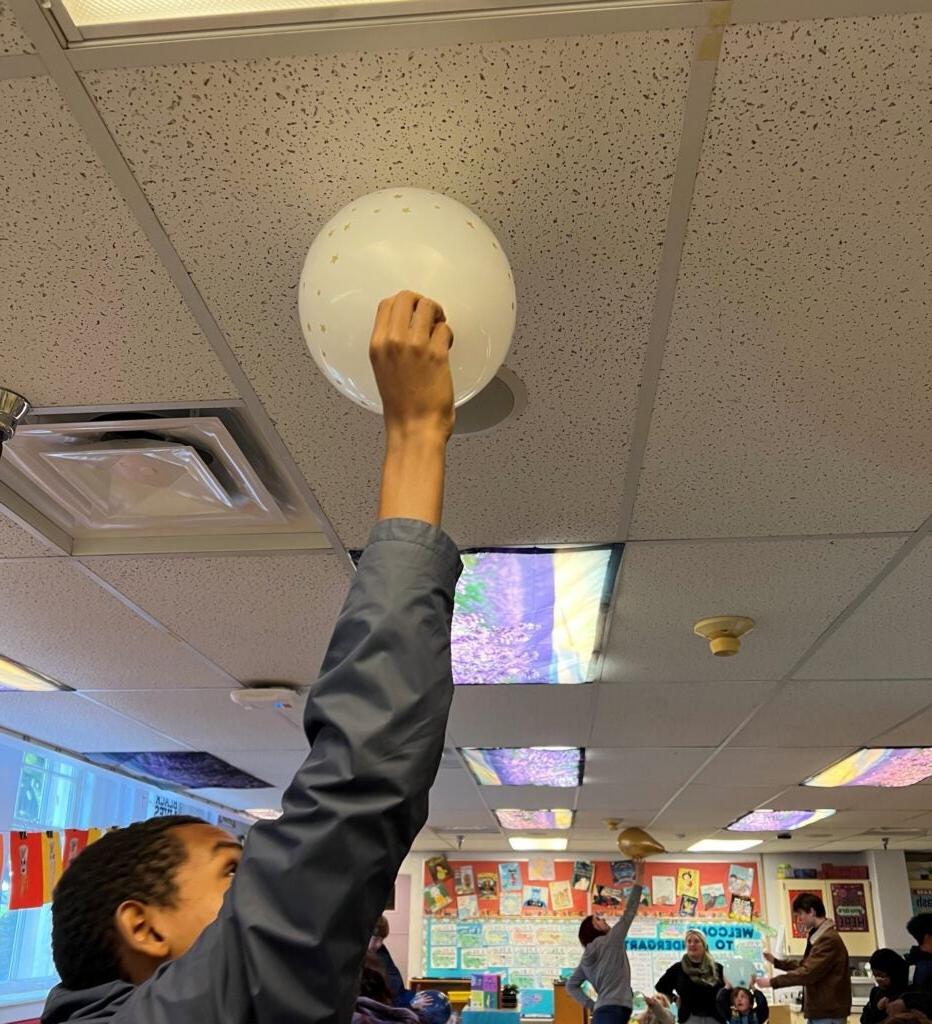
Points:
[(636, 844), (432, 1007), (738, 970), (406, 239)]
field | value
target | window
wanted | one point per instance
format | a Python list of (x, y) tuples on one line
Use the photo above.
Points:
[(40, 789)]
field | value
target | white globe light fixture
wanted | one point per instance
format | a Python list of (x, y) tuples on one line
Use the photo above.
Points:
[(406, 239)]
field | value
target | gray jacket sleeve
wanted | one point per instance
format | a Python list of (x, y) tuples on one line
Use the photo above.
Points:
[(296, 922), (619, 931), (574, 986)]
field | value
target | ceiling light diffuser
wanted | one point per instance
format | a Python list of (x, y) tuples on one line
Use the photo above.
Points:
[(778, 821), (531, 616), (525, 766), (264, 813), (878, 766), (14, 676), (724, 845), (525, 843), (517, 819), (192, 769)]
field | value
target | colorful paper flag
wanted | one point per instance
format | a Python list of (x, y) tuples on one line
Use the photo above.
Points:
[(51, 864), (26, 874)]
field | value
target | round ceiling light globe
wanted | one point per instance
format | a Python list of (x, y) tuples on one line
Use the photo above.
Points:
[(406, 239)]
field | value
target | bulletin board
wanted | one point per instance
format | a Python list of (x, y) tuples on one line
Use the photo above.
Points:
[(472, 926)]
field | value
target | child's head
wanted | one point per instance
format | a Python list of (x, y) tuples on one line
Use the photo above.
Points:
[(742, 1002), (890, 970), (591, 928)]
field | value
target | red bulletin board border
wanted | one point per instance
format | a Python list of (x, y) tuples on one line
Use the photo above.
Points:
[(709, 873)]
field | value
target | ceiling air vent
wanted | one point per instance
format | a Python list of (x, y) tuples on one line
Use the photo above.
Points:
[(192, 479)]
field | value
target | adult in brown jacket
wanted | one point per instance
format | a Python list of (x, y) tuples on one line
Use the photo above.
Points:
[(823, 971)]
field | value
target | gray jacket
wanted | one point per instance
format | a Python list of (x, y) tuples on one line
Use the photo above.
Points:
[(294, 927), (605, 964)]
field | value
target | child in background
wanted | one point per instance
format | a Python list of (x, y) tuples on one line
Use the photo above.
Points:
[(658, 1010), (742, 1006), (891, 974)]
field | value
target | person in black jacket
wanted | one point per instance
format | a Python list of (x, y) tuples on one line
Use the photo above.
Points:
[(891, 973), (694, 983), (168, 921)]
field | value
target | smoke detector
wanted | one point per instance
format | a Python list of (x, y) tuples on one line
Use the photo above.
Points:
[(724, 633)]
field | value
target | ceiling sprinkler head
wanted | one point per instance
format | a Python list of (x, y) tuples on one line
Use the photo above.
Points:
[(13, 408)]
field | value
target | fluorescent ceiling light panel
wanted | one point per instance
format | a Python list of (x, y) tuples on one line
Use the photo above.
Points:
[(525, 766), (525, 843), (264, 813), (516, 819), (724, 845), (778, 821), (878, 766), (14, 676), (531, 616), (192, 769)]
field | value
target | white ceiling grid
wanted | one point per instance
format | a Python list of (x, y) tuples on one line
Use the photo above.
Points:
[(786, 470)]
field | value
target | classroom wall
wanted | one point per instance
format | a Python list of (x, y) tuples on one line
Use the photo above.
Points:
[(892, 903)]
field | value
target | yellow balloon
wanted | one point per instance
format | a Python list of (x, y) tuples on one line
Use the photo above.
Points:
[(636, 844)]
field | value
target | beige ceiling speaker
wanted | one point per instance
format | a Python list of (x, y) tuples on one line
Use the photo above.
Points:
[(724, 633)]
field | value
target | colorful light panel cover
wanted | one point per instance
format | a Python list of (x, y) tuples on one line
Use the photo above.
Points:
[(525, 766), (878, 766), (778, 821), (531, 616), (193, 769), (515, 819)]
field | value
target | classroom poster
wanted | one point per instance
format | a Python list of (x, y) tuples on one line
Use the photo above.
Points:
[(740, 880), (622, 871), (582, 875), (712, 896), (439, 868), (511, 904), (487, 882), (467, 905), (688, 905), (561, 895), (540, 869), (608, 896), (687, 882), (464, 879), (535, 898), (26, 870), (51, 864), (436, 898), (509, 874), (742, 908), (663, 890), (850, 907)]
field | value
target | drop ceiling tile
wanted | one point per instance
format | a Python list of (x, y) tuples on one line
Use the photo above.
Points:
[(95, 315), (72, 722), (861, 798), (99, 643), (647, 714), (712, 807), (243, 799), (890, 634), (840, 714), (12, 37), (521, 716), (620, 781), (207, 719), (792, 588), (277, 767), (917, 732), (577, 194), (261, 617), (801, 316), (776, 767), (595, 820), (15, 542), (529, 798), (455, 802)]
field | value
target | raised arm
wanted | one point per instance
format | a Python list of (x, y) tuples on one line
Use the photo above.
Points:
[(616, 937), (296, 922)]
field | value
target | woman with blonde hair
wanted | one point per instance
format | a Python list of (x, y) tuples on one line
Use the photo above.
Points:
[(694, 982)]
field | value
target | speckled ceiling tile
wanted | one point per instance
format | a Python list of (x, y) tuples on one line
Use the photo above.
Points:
[(796, 393), (12, 37), (15, 542), (87, 313), (566, 146)]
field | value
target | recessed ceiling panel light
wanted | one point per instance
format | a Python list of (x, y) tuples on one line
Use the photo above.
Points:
[(778, 821), (724, 845), (515, 820), (878, 766), (524, 843), (531, 616), (14, 676), (264, 813), (525, 766)]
